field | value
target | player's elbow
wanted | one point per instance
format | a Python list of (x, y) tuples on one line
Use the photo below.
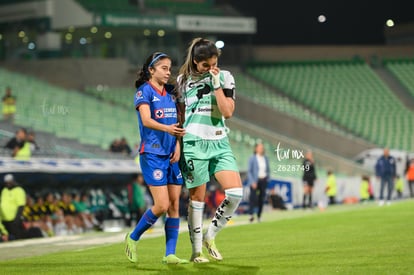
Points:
[(145, 124), (227, 116), (227, 112)]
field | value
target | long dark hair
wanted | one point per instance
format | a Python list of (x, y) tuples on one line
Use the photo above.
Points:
[(200, 49), (144, 74)]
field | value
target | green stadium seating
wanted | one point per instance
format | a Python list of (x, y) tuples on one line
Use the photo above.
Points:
[(403, 70), (69, 114), (348, 93), (247, 86)]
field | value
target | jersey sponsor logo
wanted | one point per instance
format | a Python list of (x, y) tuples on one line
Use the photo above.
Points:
[(204, 109), (159, 113), (170, 110), (157, 174), (155, 99), (190, 178), (138, 95), (165, 113)]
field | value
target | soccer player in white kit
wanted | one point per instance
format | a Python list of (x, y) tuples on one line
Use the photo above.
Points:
[(207, 97)]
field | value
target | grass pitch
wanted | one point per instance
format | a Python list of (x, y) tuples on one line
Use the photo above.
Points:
[(345, 239)]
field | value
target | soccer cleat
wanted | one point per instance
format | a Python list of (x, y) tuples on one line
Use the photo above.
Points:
[(131, 249), (199, 258), (212, 249), (172, 259)]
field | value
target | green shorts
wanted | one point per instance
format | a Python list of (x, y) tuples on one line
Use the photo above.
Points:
[(204, 158)]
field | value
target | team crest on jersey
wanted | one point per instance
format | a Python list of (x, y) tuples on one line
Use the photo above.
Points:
[(190, 178), (159, 113), (138, 95), (157, 174)]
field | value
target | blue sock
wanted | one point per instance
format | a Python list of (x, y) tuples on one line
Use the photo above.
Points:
[(146, 221), (172, 226)]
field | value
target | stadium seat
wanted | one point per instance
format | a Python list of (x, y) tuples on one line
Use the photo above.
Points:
[(348, 93), (247, 86), (403, 70), (69, 114)]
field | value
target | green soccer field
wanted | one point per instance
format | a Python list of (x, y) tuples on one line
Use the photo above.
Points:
[(345, 239)]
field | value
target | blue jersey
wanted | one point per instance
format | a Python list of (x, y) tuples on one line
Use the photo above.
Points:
[(163, 110)]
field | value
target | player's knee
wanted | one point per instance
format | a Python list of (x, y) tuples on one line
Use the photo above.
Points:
[(161, 208), (174, 207), (234, 194)]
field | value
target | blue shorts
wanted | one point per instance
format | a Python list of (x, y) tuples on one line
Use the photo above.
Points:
[(158, 171)]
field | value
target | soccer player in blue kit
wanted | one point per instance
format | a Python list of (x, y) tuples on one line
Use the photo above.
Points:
[(159, 153)]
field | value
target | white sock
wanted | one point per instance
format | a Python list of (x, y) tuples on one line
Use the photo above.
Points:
[(224, 212), (195, 224)]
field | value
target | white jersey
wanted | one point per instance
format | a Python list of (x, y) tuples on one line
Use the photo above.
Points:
[(203, 120)]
